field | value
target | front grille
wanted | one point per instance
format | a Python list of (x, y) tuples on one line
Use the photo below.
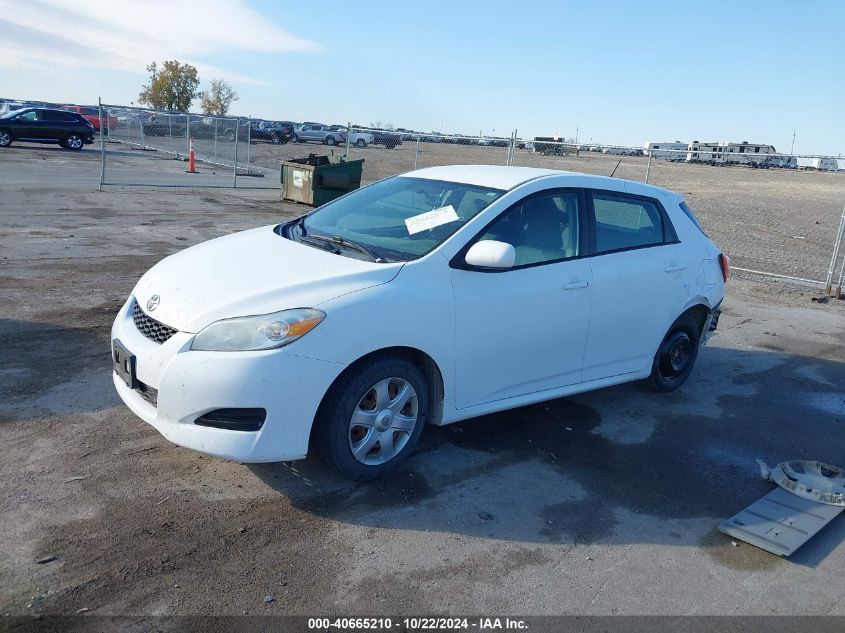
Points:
[(149, 327)]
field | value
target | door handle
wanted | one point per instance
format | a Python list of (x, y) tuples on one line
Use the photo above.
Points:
[(575, 285), (674, 267)]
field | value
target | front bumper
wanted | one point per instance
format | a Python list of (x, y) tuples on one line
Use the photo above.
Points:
[(192, 383)]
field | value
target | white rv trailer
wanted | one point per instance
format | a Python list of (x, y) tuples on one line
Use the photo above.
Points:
[(726, 153), (671, 150), (825, 164)]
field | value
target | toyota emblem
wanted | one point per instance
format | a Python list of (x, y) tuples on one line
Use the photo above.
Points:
[(152, 304)]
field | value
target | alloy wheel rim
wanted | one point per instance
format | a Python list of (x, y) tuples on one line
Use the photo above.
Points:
[(74, 142), (383, 421), (4, 138)]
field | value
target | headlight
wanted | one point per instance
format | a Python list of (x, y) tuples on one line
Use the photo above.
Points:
[(265, 331)]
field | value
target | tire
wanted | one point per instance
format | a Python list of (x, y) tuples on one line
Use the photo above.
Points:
[(293, 139), (676, 355), (330, 140), (73, 142), (363, 411), (274, 139), (229, 135), (5, 137), (360, 143)]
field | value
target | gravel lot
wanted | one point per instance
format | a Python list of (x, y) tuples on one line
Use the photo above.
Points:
[(604, 503), (772, 220)]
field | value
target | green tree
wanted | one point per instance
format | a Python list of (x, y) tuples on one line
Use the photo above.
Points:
[(218, 98), (172, 87)]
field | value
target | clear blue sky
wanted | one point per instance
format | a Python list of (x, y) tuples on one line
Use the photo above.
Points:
[(622, 72)]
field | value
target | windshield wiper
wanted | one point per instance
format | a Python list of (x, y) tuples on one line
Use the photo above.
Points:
[(342, 241)]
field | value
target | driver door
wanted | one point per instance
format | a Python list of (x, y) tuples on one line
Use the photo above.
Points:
[(524, 329)]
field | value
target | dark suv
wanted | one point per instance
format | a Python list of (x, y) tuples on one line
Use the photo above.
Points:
[(44, 125)]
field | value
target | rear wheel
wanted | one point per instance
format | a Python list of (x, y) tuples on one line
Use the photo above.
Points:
[(73, 142), (5, 138), (360, 143), (371, 419), (330, 140), (676, 356)]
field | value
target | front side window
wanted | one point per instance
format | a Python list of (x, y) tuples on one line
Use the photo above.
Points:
[(622, 222), (541, 229), (399, 218), (32, 115)]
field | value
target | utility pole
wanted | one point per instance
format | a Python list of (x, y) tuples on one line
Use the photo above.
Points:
[(792, 149)]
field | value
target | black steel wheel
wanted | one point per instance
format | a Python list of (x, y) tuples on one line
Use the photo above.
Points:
[(676, 355)]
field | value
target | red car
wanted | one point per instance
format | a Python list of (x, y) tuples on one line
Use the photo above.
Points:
[(92, 113)]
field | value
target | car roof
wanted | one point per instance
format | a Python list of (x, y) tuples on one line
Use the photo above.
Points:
[(504, 177)]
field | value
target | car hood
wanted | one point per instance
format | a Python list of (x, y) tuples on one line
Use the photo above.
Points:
[(252, 272)]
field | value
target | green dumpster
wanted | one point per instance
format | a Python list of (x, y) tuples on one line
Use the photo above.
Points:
[(316, 180)]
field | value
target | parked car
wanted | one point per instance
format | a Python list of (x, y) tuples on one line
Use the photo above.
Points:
[(45, 125), (317, 132), (272, 131), (388, 139), (92, 114), (359, 139), (431, 297)]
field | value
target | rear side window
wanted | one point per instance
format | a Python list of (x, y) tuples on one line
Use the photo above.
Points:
[(622, 222), (688, 212)]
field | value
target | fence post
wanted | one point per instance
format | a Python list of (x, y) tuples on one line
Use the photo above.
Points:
[(170, 133), (102, 148), (348, 136), (648, 166), (187, 135), (248, 139), (143, 143), (836, 247), (215, 139), (235, 171), (417, 153)]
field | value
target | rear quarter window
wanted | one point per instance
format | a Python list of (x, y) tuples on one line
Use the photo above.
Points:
[(688, 212)]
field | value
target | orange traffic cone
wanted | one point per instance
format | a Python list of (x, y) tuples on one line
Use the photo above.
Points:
[(192, 166)]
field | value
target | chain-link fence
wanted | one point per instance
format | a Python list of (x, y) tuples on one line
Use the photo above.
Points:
[(775, 214), (223, 148)]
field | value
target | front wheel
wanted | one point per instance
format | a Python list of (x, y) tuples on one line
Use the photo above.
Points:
[(73, 142), (361, 143), (676, 356), (5, 138), (330, 140), (371, 419)]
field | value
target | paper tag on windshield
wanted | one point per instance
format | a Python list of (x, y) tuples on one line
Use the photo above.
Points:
[(431, 219)]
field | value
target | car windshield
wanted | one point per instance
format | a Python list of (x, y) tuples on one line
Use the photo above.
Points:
[(13, 113), (399, 218)]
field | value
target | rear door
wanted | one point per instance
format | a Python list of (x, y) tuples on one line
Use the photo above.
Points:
[(639, 282), (53, 125)]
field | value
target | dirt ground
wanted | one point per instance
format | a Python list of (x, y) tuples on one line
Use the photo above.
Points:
[(603, 503)]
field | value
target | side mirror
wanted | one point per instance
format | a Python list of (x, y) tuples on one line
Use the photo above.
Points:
[(491, 254)]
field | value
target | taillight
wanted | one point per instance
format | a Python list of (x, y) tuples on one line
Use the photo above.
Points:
[(725, 264)]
